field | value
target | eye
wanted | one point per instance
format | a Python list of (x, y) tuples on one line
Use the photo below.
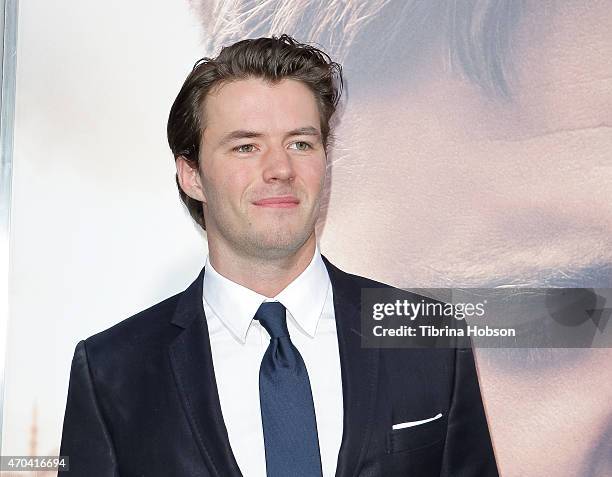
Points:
[(245, 148), (301, 146)]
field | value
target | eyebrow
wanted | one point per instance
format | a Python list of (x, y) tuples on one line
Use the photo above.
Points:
[(246, 134)]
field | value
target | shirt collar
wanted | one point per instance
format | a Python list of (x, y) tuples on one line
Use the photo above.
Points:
[(236, 305)]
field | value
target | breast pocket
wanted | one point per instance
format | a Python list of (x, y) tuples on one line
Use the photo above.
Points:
[(416, 435)]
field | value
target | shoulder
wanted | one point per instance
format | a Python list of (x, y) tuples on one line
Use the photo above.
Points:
[(366, 294), (351, 285), (138, 334), (341, 278)]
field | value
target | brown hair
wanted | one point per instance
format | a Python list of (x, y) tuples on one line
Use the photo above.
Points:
[(271, 59)]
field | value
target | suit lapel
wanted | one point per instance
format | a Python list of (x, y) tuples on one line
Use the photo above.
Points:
[(359, 369), (191, 360), (192, 365)]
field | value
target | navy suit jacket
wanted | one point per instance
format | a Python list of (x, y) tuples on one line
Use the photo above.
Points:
[(143, 400)]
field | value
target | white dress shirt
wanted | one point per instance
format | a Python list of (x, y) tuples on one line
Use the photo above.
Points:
[(238, 344)]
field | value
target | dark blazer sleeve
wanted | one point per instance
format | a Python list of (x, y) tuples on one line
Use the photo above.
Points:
[(85, 437), (468, 450)]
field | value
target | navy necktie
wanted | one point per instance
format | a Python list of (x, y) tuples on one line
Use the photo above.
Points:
[(287, 408)]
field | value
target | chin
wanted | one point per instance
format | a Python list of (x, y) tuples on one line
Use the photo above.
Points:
[(278, 243)]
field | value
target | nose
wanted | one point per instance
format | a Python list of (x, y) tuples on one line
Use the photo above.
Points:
[(278, 165)]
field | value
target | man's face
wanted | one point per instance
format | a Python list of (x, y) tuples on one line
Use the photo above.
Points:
[(262, 167)]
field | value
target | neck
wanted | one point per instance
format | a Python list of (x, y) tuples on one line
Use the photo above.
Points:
[(266, 276)]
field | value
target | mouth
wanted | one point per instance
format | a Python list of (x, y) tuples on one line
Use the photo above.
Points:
[(280, 202)]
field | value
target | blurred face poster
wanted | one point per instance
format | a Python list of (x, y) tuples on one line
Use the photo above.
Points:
[(472, 149)]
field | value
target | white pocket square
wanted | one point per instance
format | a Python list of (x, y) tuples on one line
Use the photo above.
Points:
[(403, 425)]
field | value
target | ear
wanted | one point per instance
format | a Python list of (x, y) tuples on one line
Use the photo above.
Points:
[(189, 179)]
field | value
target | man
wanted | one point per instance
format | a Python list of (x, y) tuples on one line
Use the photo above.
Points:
[(257, 368)]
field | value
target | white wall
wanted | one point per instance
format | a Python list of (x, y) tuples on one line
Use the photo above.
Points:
[(98, 231)]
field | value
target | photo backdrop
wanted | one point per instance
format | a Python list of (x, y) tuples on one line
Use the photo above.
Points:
[(472, 149)]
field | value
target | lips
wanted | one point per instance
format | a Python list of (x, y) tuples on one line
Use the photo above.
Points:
[(285, 201)]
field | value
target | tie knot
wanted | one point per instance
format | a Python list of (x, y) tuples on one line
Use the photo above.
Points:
[(271, 315)]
